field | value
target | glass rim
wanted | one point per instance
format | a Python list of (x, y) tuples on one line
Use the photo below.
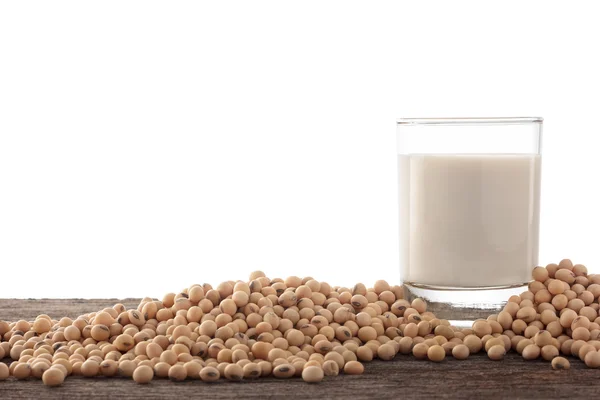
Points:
[(471, 121)]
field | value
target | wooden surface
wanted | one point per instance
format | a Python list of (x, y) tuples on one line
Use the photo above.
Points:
[(404, 377)]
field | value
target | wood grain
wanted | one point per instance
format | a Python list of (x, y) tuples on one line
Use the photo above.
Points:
[(404, 377)]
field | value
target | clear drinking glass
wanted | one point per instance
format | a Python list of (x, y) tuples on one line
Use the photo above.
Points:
[(469, 191)]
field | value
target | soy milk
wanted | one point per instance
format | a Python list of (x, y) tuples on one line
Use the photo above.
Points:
[(469, 220)]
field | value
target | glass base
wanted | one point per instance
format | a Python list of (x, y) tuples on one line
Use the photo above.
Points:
[(461, 306)]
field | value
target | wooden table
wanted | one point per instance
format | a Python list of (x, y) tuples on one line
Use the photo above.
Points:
[(404, 377)]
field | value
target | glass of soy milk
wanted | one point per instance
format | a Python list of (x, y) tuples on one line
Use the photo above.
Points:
[(469, 205)]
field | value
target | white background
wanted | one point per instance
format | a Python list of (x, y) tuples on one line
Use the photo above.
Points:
[(146, 146)]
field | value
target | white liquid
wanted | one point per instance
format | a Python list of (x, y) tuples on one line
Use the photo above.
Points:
[(469, 220)]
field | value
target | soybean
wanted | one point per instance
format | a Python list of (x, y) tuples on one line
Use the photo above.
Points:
[(312, 374), (300, 327), (53, 377), (143, 374), (559, 363), (209, 374), (496, 352), (436, 353), (353, 368)]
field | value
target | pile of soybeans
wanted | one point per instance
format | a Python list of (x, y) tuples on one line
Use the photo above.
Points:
[(299, 327)]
